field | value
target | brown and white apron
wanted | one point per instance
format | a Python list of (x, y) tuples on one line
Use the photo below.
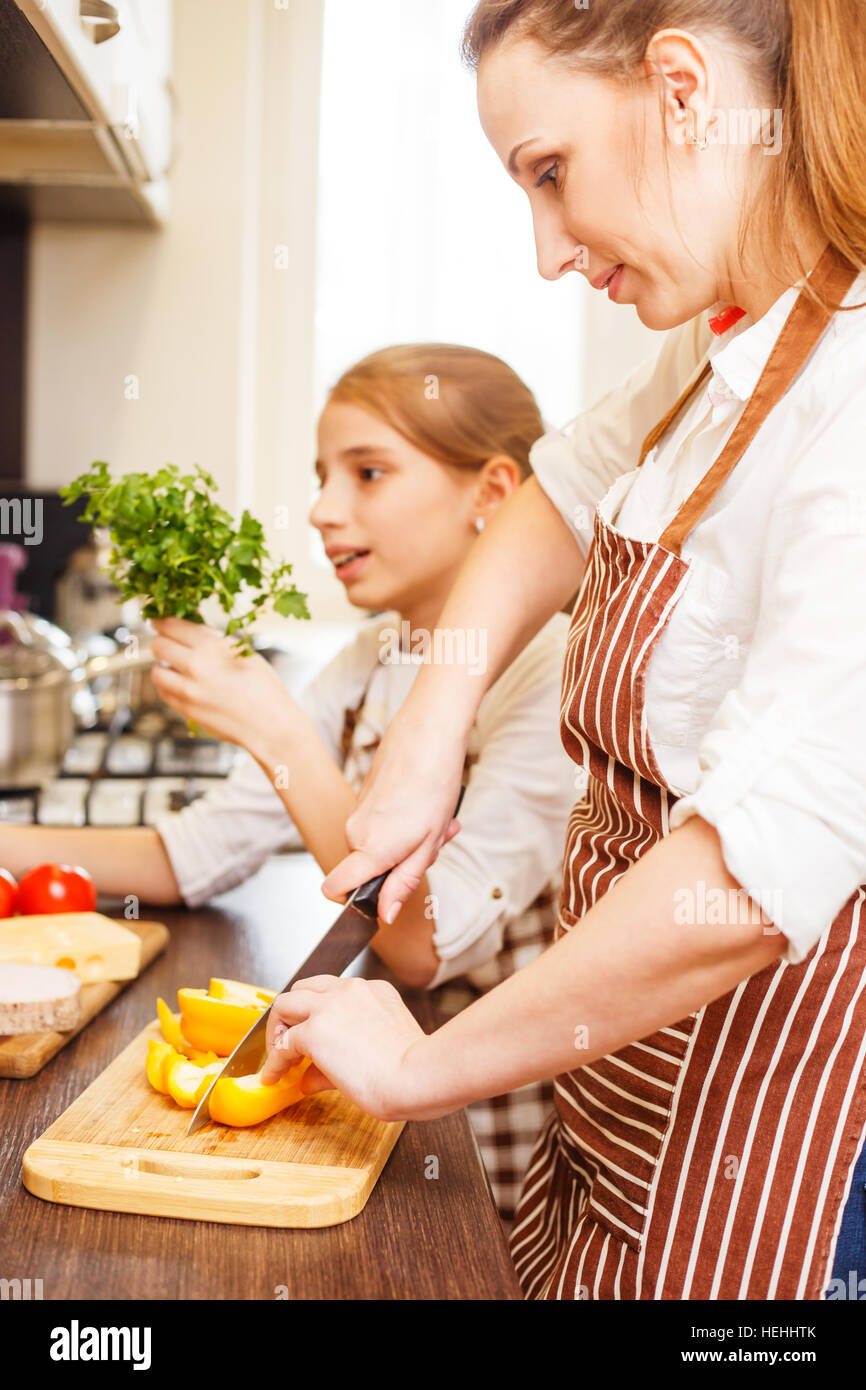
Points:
[(505, 1127), (712, 1159)]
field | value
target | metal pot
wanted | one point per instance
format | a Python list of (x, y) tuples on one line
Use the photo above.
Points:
[(41, 677)]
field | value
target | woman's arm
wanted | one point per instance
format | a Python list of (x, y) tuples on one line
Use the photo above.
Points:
[(625, 970), (521, 571), (120, 861)]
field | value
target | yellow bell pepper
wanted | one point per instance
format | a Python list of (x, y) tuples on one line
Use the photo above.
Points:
[(234, 992), (159, 1054), (185, 1081), (171, 1031), (243, 1100), (214, 1024)]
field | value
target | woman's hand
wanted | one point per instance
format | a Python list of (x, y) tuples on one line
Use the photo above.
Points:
[(233, 697), (405, 812), (359, 1035)]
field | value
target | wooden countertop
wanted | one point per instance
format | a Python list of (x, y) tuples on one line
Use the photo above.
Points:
[(417, 1238)]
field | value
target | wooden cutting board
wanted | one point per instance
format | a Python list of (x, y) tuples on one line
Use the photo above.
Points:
[(24, 1054), (121, 1146)]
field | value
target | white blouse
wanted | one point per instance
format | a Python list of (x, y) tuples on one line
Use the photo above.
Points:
[(756, 693), (513, 817)]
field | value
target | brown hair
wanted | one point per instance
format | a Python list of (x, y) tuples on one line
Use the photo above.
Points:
[(809, 56), (457, 404)]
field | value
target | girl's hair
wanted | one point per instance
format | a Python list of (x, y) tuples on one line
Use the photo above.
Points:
[(457, 404), (807, 57)]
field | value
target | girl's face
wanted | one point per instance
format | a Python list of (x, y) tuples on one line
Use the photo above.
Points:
[(395, 523), (594, 171)]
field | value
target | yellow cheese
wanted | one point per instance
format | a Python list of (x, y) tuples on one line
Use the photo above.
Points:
[(95, 947)]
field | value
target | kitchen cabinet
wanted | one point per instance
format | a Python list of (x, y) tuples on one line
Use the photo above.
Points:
[(86, 109), (418, 1237)]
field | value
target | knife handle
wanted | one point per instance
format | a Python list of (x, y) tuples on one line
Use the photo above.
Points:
[(366, 898)]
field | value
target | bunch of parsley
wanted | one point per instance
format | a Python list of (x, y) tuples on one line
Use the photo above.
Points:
[(174, 546)]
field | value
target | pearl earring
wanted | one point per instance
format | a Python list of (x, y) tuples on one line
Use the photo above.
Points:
[(479, 524)]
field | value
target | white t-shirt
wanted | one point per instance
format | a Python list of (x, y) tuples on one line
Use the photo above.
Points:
[(756, 691), (513, 817)]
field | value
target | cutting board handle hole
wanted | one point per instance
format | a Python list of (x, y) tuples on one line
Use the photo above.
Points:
[(200, 1172)]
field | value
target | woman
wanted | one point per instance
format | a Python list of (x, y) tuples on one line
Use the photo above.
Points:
[(714, 680), (418, 448)]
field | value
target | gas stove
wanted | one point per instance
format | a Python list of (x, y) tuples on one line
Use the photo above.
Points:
[(124, 773)]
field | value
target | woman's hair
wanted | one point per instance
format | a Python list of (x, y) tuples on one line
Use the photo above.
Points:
[(806, 57), (457, 404)]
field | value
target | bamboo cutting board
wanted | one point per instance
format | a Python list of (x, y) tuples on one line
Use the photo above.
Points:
[(121, 1146), (24, 1054)]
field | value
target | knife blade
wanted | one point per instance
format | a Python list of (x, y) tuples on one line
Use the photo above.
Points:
[(344, 941)]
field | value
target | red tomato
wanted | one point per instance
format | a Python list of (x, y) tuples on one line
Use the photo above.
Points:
[(8, 891), (56, 888)]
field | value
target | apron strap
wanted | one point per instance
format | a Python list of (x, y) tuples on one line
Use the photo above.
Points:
[(663, 425), (833, 276)]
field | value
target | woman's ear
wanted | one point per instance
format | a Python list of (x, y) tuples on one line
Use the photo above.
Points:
[(681, 62), (496, 481)]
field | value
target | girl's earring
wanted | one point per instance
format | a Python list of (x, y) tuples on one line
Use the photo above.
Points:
[(479, 524)]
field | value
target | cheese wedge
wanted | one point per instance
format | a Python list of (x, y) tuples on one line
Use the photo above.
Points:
[(38, 998), (95, 947)]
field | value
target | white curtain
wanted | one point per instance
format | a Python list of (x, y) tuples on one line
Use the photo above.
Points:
[(422, 233)]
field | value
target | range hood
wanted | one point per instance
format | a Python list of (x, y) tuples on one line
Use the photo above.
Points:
[(86, 110)]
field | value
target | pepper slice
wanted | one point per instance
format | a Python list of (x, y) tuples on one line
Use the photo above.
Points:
[(243, 1100), (159, 1054), (214, 1024), (184, 1081), (235, 992)]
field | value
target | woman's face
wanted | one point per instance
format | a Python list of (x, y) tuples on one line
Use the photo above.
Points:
[(594, 171), (395, 523)]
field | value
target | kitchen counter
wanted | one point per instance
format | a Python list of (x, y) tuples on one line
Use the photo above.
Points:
[(417, 1238)]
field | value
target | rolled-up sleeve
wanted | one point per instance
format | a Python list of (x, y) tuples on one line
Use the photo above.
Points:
[(578, 465), (783, 765), (514, 814)]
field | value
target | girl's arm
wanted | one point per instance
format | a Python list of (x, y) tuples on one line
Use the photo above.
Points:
[(625, 970), (522, 570), (243, 700), (121, 861)]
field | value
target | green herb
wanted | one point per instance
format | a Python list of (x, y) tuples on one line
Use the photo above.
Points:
[(173, 545)]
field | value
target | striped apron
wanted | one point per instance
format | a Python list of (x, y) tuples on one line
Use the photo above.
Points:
[(712, 1159)]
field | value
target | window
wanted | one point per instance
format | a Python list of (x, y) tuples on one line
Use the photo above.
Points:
[(422, 234)]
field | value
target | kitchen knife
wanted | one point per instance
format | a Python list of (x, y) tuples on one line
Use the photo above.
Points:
[(353, 930)]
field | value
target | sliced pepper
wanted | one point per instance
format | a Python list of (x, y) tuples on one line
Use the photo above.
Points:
[(214, 1024), (159, 1054), (185, 1081), (235, 992), (171, 1030), (243, 1100)]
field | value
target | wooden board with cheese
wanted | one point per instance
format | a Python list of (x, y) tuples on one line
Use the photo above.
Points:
[(104, 954)]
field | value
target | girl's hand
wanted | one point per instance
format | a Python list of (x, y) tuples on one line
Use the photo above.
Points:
[(358, 1033), (405, 812), (233, 697)]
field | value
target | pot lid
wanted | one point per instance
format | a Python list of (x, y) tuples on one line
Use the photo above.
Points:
[(33, 651)]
